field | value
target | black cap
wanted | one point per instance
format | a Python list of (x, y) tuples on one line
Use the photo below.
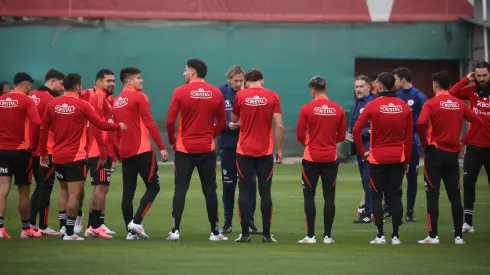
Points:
[(20, 77)]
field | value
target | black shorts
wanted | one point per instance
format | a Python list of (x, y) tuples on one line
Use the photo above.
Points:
[(16, 163), (326, 171), (185, 163), (72, 172), (43, 174), (100, 175), (387, 178)]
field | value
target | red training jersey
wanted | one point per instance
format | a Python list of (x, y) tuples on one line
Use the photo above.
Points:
[(17, 111), (67, 116), (391, 130), (480, 106), (321, 125), (87, 94), (101, 143), (445, 114), (256, 108), (198, 103), (133, 109), (42, 98)]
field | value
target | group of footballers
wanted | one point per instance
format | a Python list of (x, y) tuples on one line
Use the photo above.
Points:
[(50, 134)]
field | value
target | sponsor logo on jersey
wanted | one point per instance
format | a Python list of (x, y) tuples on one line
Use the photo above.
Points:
[(324, 111), (120, 102), (64, 109), (9, 103), (201, 94), (36, 99), (255, 101), (449, 105), (391, 109)]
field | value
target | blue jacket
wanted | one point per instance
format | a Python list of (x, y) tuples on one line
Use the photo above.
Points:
[(356, 111), (228, 138), (415, 99)]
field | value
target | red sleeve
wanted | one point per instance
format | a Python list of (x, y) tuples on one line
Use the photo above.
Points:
[(342, 127), (422, 123), (97, 103), (277, 105), (460, 90), (220, 116), (45, 126), (144, 107), (97, 121), (476, 123), (408, 135), (357, 130), (236, 106), (173, 112), (35, 121), (301, 128)]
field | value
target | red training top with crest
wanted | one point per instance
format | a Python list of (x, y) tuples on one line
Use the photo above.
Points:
[(256, 108), (67, 116), (321, 125), (391, 130), (445, 114), (199, 104), (101, 143)]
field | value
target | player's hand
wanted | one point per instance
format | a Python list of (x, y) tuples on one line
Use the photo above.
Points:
[(44, 161), (279, 156), (242, 87), (367, 154), (164, 155), (462, 150), (471, 76), (123, 126), (114, 165), (407, 166), (102, 162), (233, 126)]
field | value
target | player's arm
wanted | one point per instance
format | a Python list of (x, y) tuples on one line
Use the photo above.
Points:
[(341, 127), (43, 135), (35, 120), (460, 90), (173, 112), (235, 112), (357, 130), (96, 120), (277, 115), (416, 112), (351, 119), (476, 123), (97, 103), (422, 123), (144, 107), (408, 135), (301, 128), (220, 116)]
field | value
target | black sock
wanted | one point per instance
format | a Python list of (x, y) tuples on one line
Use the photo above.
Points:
[(25, 224), (1, 222), (43, 218), (63, 217), (90, 217), (379, 228), (96, 218), (468, 217), (80, 212), (102, 219), (70, 225)]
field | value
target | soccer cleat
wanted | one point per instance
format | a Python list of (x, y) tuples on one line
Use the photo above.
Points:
[(268, 239), (308, 240), (173, 236), (226, 228), (218, 237), (458, 240), (62, 231), (132, 236), (253, 229), (29, 233), (107, 230), (35, 228), (360, 211), (243, 239), (395, 241), (3, 234), (429, 240), (328, 240), (380, 240), (468, 228), (97, 232), (73, 237), (365, 218), (48, 231), (138, 229), (78, 224)]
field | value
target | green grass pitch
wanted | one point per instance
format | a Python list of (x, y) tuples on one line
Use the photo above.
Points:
[(195, 254)]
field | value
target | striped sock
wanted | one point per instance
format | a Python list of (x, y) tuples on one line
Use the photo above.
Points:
[(70, 225), (62, 219), (102, 219), (1, 222), (468, 216), (25, 224)]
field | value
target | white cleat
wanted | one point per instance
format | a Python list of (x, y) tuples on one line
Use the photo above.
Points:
[(49, 232), (328, 240), (458, 240), (468, 228), (132, 236), (308, 240), (89, 233), (78, 224), (138, 229), (62, 230), (73, 237), (107, 230), (218, 237), (430, 240), (395, 241), (381, 240), (175, 236)]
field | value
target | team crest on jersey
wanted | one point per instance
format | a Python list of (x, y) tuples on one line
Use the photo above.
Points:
[(201, 94), (391, 109), (410, 102), (449, 105), (256, 101), (110, 120), (9, 103), (228, 104), (121, 102), (64, 109), (324, 111), (360, 111), (36, 99)]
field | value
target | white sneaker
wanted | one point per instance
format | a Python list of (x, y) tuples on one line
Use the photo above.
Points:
[(395, 241), (381, 240), (63, 230), (308, 240), (73, 237), (430, 240), (49, 232), (138, 229), (218, 237), (132, 236), (107, 230), (174, 236), (78, 224), (468, 228), (458, 240), (328, 240)]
